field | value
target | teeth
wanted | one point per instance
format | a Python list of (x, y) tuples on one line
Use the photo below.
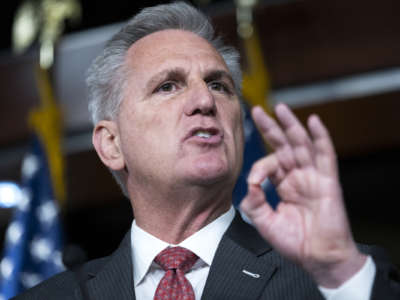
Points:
[(203, 134)]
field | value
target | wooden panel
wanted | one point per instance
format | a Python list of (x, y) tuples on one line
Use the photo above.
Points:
[(304, 41), (362, 125), (18, 95), (89, 182)]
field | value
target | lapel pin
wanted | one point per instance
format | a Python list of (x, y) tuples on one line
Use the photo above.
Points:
[(254, 275)]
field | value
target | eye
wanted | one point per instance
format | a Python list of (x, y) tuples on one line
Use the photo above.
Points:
[(219, 86), (166, 87)]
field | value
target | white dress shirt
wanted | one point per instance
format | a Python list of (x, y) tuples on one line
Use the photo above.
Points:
[(358, 287), (204, 243)]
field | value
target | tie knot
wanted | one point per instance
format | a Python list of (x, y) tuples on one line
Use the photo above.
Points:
[(176, 258)]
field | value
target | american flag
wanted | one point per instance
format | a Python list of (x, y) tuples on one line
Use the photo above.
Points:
[(33, 243)]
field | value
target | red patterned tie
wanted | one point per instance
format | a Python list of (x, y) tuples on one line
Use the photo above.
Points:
[(175, 261)]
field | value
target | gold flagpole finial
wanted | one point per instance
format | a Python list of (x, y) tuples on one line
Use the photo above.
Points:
[(43, 18), (26, 26), (244, 17), (55, 13)]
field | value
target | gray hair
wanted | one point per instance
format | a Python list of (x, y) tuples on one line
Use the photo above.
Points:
[(107, 76)]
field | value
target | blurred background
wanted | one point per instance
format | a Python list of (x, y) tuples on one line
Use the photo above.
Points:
[(339, 59)]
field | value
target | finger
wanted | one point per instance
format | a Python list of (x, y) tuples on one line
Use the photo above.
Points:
[(255, 206), (325, 151), (263, 168), (275, 137), (269, 128), (296, 135)]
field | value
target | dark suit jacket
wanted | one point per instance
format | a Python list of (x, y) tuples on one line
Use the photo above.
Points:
[(241, 248)]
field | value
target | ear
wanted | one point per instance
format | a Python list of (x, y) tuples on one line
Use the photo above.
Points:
[(106, 141)]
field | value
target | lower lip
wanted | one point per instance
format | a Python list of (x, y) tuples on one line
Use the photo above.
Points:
[(213, 140)]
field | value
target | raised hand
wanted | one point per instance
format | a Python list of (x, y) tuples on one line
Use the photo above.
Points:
[(310, 225)]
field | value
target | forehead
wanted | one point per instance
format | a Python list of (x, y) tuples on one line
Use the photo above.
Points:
[(166, 46)]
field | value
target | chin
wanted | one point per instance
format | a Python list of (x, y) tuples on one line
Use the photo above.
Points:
[(208, 173)]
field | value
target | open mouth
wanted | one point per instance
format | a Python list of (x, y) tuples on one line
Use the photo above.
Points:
[(205, 133), (209, 135)]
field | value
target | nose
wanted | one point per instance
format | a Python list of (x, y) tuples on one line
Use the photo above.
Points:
[(200, 101)]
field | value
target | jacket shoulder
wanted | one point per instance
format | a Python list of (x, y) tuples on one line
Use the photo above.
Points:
[(56, 287), (65, 285)]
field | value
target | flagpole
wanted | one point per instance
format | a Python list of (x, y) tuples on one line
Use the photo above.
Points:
[(256, 82), (45, 20)]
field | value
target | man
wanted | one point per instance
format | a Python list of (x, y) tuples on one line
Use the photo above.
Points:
[(164, 97)]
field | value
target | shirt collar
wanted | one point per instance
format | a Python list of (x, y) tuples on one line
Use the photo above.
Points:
[(203, 243)]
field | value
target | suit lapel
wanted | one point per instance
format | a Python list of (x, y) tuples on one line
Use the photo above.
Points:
[(240, 269), (115, 279)]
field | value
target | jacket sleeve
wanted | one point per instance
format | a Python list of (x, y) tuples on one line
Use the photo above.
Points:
[(387, 279)]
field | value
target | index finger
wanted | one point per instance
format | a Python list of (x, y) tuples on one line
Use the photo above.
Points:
[(274, 137)]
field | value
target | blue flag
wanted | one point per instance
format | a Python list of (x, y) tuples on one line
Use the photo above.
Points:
[(33, 240), (254, 150)]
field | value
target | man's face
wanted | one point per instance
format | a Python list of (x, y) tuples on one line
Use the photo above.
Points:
[(180, 121)]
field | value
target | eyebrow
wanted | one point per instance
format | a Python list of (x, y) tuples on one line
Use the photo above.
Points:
[(217, 75), (180, 74), (176, 73)]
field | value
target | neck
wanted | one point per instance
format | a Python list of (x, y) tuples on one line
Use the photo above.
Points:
[(175, 214)]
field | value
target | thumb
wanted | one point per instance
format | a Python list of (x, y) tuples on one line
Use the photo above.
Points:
[(255, 206)]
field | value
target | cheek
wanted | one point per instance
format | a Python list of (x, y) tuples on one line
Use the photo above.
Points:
[(144, 118), (145, 141), (154, 130), (137, 128)]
